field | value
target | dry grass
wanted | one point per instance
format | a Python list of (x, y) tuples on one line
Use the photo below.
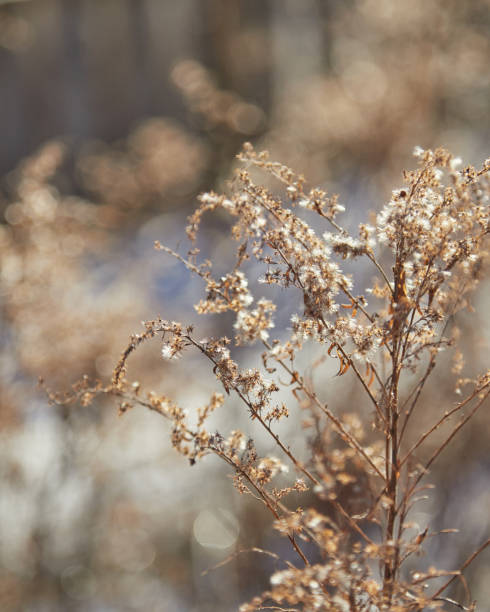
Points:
[(368, 463)]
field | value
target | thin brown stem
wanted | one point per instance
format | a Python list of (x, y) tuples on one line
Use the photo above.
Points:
[(468, 561), (448, 414), (265, 497), (444, 444), (345, 435)]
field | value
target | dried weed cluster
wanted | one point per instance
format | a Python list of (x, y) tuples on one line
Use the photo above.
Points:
[(426, 250)]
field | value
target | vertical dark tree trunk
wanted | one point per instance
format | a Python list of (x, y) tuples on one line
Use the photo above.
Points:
[(141, 81), (76, 113), (11, 103)]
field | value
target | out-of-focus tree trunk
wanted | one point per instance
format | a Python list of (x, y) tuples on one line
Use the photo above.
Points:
[(77, 121)]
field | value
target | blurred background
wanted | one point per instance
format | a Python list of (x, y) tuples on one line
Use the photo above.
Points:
[(114, 115)]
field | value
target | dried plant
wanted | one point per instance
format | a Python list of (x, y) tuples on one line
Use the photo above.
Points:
[(159, 160), (216, 108), (366, 464)]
